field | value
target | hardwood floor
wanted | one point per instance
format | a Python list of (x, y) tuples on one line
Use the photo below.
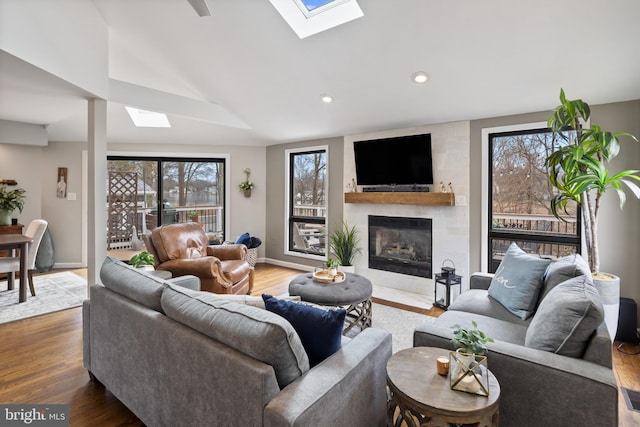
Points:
[(626, 365), (42, 363)]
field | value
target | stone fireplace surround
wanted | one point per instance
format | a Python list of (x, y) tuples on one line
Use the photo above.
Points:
[(450, 224)]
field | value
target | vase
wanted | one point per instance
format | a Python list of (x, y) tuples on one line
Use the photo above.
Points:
[(247, 193), (348, 269), (468, 373), (5, 217), (608, 286)]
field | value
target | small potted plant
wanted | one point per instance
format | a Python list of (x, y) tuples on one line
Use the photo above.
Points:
[(10, 201), (470, 340), (246, 186), (468, 363), (193, 216), (142, 259), (332, 266)]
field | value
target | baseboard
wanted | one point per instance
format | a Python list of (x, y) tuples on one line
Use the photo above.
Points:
[(288, 264), (69, 265)]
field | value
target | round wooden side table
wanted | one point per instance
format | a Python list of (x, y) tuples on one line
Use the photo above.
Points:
[(420, 397)]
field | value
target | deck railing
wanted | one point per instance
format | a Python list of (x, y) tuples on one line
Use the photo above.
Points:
[(535, 223), (211, 218)]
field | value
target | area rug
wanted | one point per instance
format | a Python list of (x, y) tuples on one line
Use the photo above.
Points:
[(399, 323), (54, 292)]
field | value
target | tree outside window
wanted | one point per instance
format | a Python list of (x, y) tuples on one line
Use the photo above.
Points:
[(307, 202), (520, 195)]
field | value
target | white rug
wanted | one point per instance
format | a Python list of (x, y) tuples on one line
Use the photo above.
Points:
[(54, 292), (399, 323)]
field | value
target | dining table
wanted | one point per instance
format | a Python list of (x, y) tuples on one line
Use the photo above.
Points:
[(12, 242)]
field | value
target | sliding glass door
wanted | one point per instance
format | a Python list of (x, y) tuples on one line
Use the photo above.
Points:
[(148, 192)]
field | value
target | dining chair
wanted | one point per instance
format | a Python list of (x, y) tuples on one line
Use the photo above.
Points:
[(10, 265)]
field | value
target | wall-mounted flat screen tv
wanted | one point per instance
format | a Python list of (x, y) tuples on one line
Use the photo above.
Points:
[(403, 160)]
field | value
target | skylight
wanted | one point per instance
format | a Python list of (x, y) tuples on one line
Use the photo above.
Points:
[(313, 7), (308, 17), (148, 119)]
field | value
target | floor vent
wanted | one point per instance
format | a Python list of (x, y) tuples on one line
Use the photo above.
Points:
[(632, 397)]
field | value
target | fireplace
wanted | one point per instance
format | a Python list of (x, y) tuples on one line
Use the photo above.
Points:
[(400, 245)]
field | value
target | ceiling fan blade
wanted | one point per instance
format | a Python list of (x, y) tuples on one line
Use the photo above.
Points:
[(200, 6)]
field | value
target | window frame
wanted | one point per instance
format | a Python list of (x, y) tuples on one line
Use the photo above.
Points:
[(488, 232), (290, 219)]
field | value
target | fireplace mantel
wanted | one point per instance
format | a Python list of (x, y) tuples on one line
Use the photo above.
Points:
[(402, 198)]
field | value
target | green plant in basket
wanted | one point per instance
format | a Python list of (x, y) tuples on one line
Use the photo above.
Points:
[(143, 258), (470, 340)]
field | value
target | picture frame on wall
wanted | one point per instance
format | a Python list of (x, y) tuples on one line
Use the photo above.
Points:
[(61, 185)]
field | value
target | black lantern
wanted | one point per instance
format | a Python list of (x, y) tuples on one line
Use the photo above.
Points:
[(447, 271)]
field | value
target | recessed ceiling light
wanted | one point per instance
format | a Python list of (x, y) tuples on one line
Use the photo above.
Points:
[(148, 119), (419, 77), (327, 99)]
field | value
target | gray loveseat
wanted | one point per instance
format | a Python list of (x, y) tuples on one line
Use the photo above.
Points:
[(178, 357), (539, 387)]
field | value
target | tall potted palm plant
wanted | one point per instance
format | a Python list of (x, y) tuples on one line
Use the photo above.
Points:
[(579, 171), (343, 242)]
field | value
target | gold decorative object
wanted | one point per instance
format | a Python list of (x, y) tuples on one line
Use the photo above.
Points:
[(469, 373)]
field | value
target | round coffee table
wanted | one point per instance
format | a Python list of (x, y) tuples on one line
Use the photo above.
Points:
[(419, 396), (354, 294)]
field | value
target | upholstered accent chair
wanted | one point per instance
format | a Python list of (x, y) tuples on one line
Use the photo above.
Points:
[(183, 249), (10, 265)]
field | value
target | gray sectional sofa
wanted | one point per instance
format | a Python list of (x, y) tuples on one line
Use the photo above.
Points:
[(178, 357), (555, 367)]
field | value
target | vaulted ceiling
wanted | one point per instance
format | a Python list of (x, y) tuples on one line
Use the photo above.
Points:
[(247, 79)]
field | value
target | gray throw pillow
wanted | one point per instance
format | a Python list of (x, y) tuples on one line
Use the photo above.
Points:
[(566, 318), (517, 281), (563, 269)]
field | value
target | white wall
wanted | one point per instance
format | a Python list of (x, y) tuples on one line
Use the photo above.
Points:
[(22, 133), (450, 151), (23, 163), (73, 46), (64, 215), (35, 169)]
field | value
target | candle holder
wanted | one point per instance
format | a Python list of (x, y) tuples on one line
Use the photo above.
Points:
[(442, 365), (469, 373)]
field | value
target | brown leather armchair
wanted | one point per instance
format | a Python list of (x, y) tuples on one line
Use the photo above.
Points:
[(183, 249)]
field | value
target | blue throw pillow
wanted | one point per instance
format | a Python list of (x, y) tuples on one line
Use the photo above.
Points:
[(245, 239), (518, 280), (319, 330)]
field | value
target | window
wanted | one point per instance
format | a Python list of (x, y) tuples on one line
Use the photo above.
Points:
[(148, 192), (519, 198), (309, 17), (307, 204)]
